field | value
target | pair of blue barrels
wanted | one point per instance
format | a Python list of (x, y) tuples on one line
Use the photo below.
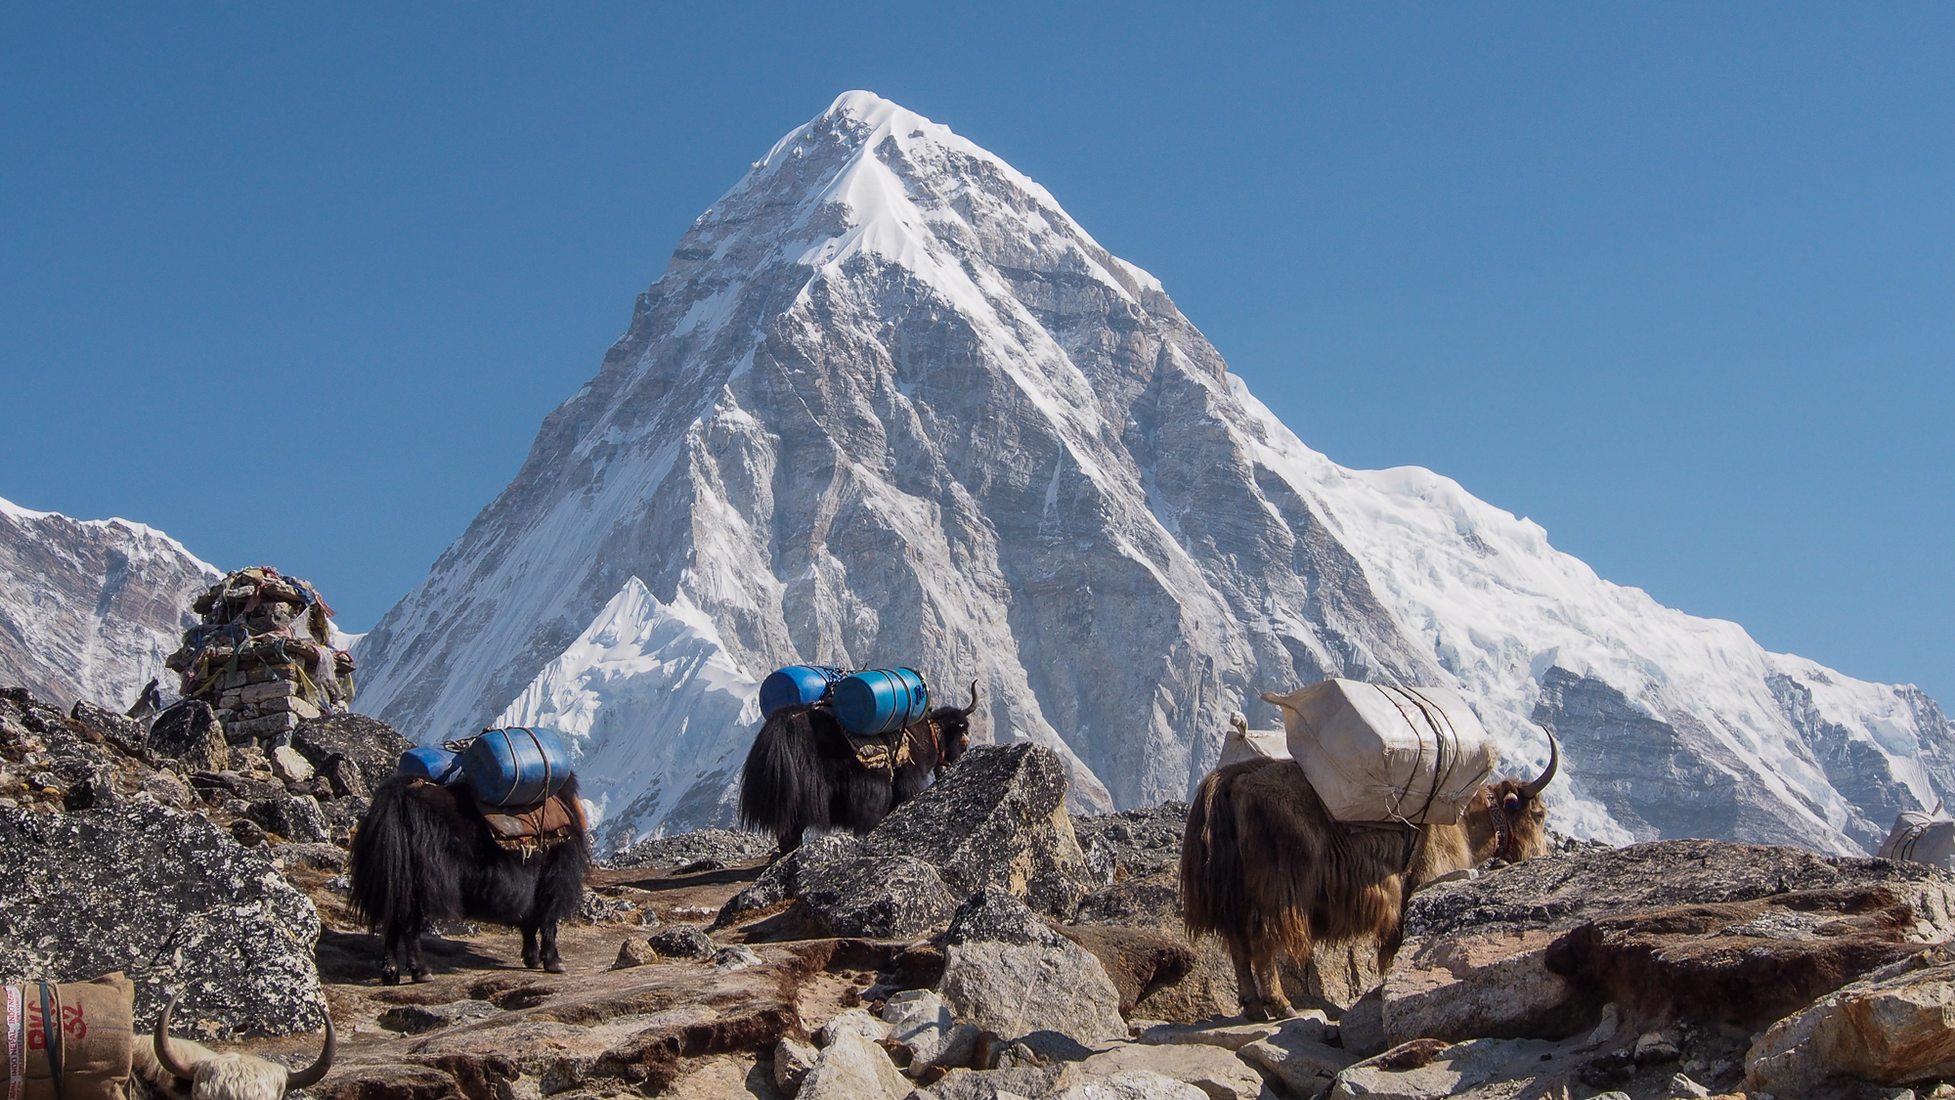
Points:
[(518, 766), (870, 702)]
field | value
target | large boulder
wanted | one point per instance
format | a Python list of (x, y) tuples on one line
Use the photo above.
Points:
[(838, 888), (1895, 1027), (998, 818), (1694, 929), (190, 734), (1025, 978), (373, 747), (170, 899)]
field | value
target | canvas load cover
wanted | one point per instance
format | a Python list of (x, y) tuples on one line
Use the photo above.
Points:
[(1386, 752)]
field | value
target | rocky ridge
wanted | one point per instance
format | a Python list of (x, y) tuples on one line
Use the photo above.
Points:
[(981, 943)]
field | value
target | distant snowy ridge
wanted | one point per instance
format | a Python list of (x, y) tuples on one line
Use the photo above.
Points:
[(90, 608), (889, 404)]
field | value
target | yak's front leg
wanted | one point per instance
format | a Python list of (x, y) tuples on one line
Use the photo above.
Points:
[(530, 953)]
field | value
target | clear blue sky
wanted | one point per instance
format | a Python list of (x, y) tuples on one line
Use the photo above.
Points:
[(297, 284)]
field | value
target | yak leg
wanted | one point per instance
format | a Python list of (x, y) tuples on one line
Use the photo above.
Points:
[(552, 962), (531, 956), (790, 839)]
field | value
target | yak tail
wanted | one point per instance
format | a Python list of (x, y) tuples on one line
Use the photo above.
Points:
[(781, 787), (1213, 894), (401, 868)]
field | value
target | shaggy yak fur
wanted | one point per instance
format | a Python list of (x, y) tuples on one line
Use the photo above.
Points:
[(802, 772), (1265, 868), (423, 853)]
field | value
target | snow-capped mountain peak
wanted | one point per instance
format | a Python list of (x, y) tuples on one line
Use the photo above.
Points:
[(90, 608), (890, 405)]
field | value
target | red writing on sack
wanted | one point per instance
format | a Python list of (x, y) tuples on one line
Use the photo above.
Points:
[(74, 1021)]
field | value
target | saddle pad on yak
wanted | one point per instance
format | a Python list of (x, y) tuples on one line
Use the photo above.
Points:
[(876, 754), (70, 1041), (545, 823)]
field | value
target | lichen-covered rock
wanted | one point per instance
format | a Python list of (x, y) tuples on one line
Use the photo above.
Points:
[(168, 898), (372, 746), (853, 1068), (1894, 1027), (998, 818), (1018, 989), (190, 734), (1693, 929), (993, 916), (296, 817), (721, 846), (123, 732), (843, 889), (1133, 1084), (1138, 843), (1219, 1074), (682, 942)]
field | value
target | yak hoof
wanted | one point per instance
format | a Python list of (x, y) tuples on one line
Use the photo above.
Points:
[(554, 966), (390, 977), (420, 974)]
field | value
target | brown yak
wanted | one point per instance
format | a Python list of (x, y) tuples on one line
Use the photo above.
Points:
[(1265, 868)]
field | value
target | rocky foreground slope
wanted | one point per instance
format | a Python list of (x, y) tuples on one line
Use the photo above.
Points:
[(984, 942)]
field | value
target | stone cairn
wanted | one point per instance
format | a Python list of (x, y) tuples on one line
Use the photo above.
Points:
[(263, 657)]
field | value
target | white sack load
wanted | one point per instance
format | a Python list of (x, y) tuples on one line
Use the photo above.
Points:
[(1244, 744), (1923, 838), (1380, 752)]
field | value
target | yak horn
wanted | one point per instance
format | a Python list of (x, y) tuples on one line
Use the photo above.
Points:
[(1535, 788), (973, 706), (165, 1053), (309, 1076)]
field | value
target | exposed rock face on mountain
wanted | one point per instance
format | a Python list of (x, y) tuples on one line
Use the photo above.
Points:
[(90, 608), (890, 405)]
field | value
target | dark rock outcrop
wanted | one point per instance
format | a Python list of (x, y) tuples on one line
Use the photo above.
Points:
[(168, 898), (372, 747), (840, 889), (1692, 930), (998, 819)]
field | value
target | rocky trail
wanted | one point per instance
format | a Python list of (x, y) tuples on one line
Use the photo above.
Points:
[(982, 943)]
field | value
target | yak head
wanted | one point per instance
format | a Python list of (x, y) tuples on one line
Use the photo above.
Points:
[(1516, 820), (215, 1076), (954, 728)]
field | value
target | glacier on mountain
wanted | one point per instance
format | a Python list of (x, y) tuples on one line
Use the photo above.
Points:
[(890, 405)]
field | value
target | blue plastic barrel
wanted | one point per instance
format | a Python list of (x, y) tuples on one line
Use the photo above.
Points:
[(879, 701), (430, 762), (517, 766), (803, 684)]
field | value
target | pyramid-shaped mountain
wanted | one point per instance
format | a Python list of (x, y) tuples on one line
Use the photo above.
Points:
[(890, 405)]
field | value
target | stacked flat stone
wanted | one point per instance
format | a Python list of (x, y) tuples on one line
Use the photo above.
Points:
[(262, 656)]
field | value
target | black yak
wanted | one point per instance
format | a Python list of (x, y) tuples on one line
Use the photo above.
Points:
[(802, 771), (423, 852), (1265, 868)]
